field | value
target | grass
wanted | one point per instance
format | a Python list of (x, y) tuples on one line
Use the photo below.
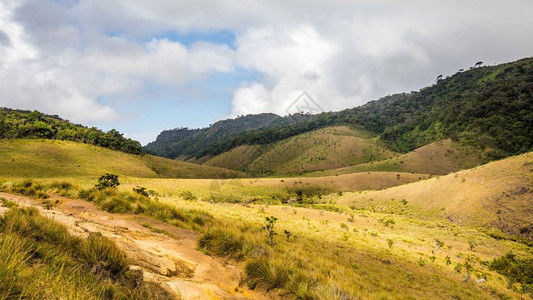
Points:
[(54, 159), (114, 201), (269, 190), (327, 262), (39, 259), (322, 149), (437, 158), (340, 254), (416, 240), (494, 197)]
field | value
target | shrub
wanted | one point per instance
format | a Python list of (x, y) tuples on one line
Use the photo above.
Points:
[(29, 188), (223, 243), (187, 195), (288, 234), (516, 270), (141, 190), (102, 255), (107, 181), (269, 227)]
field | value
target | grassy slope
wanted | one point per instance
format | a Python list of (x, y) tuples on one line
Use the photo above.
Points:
[(349, 252), (48, 158), (237, 158), (322, 149), (497, 196), (437, 158), (40, 259)]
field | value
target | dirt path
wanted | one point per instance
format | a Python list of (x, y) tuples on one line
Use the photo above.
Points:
[(165, 254)]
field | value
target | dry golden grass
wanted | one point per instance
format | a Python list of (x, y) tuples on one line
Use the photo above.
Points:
[(409, 241), (48, 158), (237, 158), (271, 189), (349, 252), (438, 158), (497, 196), (321, 149)]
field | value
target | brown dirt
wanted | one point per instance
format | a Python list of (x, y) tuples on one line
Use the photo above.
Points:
[(168, 256)]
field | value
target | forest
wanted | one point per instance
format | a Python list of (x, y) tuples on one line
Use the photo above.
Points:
[(21, 124)]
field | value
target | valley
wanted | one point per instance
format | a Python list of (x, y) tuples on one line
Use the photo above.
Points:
[(421, 195)]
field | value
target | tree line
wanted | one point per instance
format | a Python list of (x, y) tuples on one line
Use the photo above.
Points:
[(35, 125)]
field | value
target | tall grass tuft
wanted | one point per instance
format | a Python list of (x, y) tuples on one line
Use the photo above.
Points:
[(39, 259), (114, 201)]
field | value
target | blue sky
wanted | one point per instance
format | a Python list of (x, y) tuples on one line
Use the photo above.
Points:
[(143, 66), (201, 104)]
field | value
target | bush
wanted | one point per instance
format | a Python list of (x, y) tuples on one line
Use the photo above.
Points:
[(114, 201), (186, 195), (141, 190), (516, 270), (223, 243), (29, 188), (107, 181)]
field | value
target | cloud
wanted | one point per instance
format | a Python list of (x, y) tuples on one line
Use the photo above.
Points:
[(44, 65), (80, 58)]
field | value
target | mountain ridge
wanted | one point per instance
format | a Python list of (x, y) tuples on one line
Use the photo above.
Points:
[(486, 107)]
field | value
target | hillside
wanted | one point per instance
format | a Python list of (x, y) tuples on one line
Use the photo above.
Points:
[(489, 107), (22, 124), (49, 158), (185, 143), (497, 196), (438, 158), (322, 149)]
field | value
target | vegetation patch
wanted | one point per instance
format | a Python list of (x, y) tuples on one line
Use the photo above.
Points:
[(23, 124), (39, 259), (517, 271)]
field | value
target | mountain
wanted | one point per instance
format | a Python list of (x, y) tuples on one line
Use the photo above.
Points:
[(489, 108), (22, 124), (321, 149), (185, 143)]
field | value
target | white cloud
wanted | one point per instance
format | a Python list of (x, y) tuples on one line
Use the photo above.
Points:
[(67, 57)]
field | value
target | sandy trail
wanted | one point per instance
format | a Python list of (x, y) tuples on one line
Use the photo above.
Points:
[(169, 258)]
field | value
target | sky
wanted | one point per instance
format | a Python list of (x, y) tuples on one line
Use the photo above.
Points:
[(144, 66)]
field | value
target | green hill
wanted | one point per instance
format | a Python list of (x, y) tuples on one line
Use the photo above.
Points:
[(22, 124), (322, 149), (486, 107), (439, 158), (185, 143), (50, 158)]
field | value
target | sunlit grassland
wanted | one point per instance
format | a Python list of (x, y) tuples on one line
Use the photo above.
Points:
[(322, 149), (352, 251), (51, 158), (331, 255), (437, 158), (40, 259), (270, 190), (350, 241), (273, 189), (495, 197)]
